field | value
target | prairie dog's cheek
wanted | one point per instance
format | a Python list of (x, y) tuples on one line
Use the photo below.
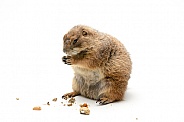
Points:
[(83, 44)]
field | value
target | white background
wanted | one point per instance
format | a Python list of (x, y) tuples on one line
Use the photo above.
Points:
[(31, 69)]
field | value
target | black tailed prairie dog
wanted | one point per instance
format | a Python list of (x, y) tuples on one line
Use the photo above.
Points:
[(101, 64)]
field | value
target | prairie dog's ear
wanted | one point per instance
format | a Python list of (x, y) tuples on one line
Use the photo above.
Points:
[(84, 33)]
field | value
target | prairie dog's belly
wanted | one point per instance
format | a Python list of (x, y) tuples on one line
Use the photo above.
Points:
[(89, 81), (90, 76)]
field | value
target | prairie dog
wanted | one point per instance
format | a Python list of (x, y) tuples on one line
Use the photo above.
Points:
[(101, 64)]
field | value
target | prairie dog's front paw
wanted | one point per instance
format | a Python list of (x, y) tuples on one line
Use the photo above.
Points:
[(67, 60)]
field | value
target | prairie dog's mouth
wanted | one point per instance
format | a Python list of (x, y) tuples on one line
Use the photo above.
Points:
[(74, 51), (77, 51)]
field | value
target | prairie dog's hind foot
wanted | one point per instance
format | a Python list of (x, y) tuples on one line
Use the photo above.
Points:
[(104, 101), (69, 95)]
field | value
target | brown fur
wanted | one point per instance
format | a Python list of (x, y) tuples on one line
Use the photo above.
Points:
[(101, 64)]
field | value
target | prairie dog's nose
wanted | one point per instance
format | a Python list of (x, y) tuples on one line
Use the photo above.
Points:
[(64, 50), (67, 41)]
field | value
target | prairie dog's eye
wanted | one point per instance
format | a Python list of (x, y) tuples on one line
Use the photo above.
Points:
[(75, 41)]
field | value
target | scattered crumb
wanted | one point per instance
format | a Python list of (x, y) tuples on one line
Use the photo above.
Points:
[(84, 105), (37, 108), (72, 100), (136, 118), (48, 103), (69, 104), (17, 98), (84, 110), (61, 102), (64, 104), (55, 99)]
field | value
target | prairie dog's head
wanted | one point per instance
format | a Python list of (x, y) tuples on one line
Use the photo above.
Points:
[(79, 38)]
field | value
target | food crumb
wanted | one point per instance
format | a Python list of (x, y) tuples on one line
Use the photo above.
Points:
[(136, 118), (48, 103), (17, 98), (84, 105), (55, 99), (84, 110), (37, 108), (69, 104), (72, 100)]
